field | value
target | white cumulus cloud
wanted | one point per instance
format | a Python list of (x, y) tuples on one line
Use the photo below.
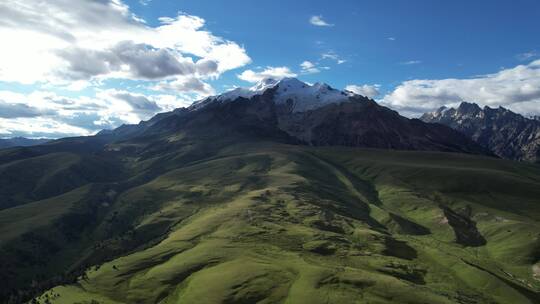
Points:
[(269, 72), (88, 45), (410, 62), (333, 56), (186, 84), (367, 90), (309, 67), (47, 114), (319, 21), (63, 41)]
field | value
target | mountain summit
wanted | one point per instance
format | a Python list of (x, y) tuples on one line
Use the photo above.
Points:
[(507, 134), (299, 95)]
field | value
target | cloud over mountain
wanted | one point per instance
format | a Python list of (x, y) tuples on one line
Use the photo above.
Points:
[(269, 72), (364, 90), (47, 114), (516, 88)]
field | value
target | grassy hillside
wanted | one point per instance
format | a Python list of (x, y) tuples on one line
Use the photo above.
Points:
[(30, 177), (271, 223)]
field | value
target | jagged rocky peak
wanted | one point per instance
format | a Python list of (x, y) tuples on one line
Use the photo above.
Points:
[(299, 95), (440, 112), (471, 112), (468, 108), (441, 109), (463, 111), (508, 134)]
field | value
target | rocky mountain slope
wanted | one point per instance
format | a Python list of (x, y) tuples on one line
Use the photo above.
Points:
[(507, 134)]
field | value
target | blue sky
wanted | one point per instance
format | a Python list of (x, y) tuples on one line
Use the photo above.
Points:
[(449, 38), (75, 67)]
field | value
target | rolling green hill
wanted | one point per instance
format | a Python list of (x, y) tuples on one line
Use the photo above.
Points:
[(263, 222)]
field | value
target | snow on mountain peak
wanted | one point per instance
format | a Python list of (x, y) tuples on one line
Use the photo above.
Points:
[(264, 84), (300, 95), (304, 97)]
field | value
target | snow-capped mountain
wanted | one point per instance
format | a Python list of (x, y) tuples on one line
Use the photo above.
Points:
[(292, 111), (298, 95), (507, 134)]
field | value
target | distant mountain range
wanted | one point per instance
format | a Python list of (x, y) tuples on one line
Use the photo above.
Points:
[(508, 134), (21, 142)]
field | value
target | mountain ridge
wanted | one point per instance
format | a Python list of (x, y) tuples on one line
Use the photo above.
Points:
[(507, 134), (313, 115)]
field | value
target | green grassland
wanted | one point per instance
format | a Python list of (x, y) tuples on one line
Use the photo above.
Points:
[(241, 221), (273, 223)]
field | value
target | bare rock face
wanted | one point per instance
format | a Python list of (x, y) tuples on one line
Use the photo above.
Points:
[(464, 227), (508, 134), (361, 122)]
